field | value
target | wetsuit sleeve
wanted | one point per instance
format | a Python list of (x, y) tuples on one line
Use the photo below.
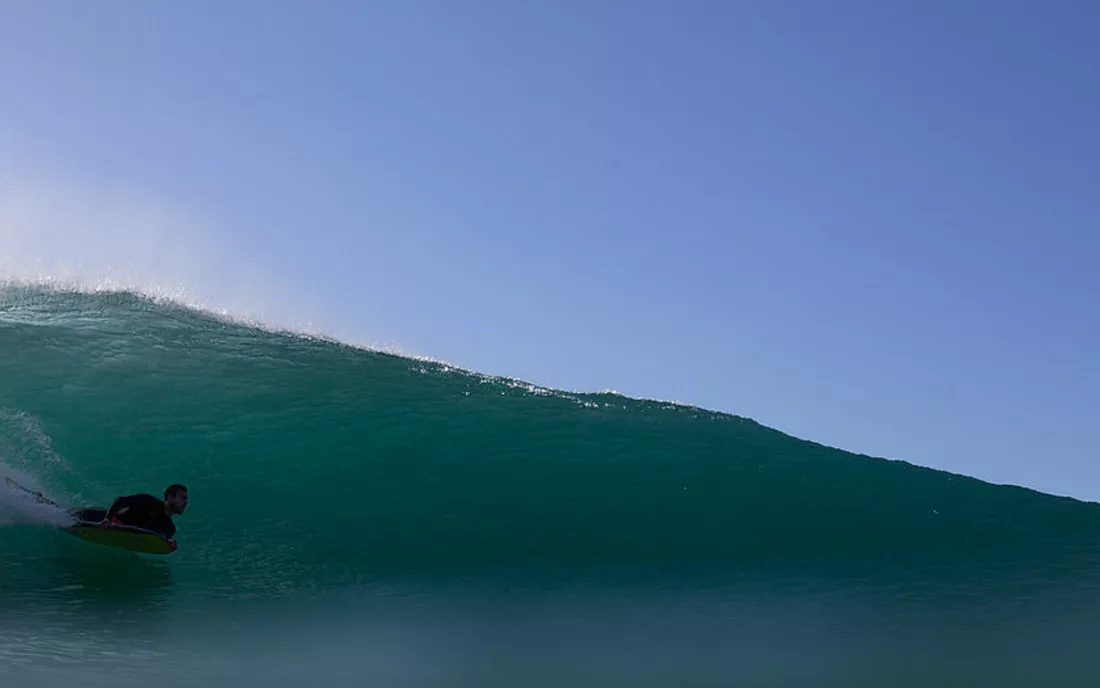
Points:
[(141, 510), (120, 506), (167, 527)]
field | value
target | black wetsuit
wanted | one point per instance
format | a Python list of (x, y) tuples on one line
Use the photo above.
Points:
[(142, 511)]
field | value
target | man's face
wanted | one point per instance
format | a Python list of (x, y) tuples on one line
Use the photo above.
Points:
[(177, 502)]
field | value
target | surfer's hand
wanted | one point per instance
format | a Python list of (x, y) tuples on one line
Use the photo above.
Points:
[(172, 543)]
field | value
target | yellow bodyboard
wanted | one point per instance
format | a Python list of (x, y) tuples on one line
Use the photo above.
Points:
[(124, 537)]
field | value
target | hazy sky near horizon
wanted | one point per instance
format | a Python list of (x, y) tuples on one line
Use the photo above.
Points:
[(873, 225)]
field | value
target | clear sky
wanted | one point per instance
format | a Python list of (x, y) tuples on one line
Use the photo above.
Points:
[(874, 225)]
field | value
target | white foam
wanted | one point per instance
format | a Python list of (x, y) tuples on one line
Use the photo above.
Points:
[(18, 507)]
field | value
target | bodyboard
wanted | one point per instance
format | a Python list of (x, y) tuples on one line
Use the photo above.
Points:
[(124, 537)]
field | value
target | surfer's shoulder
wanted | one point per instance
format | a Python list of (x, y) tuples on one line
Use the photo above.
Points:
[(141, 497)]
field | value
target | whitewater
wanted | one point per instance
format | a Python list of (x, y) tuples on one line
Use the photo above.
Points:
[(359, 517)]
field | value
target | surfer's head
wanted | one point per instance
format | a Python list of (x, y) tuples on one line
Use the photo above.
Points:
[(175, 498)]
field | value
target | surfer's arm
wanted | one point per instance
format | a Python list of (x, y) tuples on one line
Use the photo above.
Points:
[(116, 506), (123, 504)]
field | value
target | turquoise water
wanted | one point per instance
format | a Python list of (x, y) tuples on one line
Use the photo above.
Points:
[(359, 518)]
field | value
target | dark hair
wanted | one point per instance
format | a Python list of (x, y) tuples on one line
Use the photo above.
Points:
[(173, 489)]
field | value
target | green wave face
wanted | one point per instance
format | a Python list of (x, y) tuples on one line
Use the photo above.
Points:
[(389, 503)]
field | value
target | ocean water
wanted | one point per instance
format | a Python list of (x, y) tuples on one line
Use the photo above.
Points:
[(363, 519)]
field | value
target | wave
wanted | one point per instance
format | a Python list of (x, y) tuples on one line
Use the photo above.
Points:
[(363, 495)]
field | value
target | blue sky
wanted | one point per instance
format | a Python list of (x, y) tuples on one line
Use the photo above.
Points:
[(874, 225)]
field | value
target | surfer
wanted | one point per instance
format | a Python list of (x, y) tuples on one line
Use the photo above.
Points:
[(142, 511), (148, 512)]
